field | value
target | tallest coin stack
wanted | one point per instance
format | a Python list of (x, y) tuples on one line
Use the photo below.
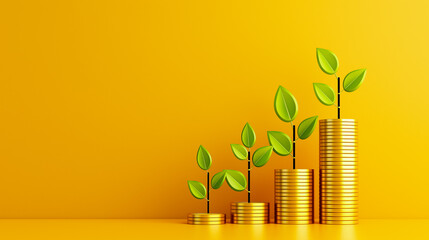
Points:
[(338, 171)]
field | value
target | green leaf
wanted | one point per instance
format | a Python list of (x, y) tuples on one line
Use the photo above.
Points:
[(197, 189), (324, 93), (239, 151), (281, 142), (327, 60), (248, 136), (354, 79), (306, 127), (262, 155), (218, 179), (236, 180), (204, 159), (285, 105)]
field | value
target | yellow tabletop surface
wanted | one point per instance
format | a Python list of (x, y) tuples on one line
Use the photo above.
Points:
[(105, 229)]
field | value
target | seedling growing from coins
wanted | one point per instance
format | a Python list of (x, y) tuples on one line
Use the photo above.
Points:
[(328, 62), (235, 179), (286, 108), (259, 158)]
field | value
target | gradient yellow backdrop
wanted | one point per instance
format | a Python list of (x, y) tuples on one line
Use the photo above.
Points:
[(104, 103)]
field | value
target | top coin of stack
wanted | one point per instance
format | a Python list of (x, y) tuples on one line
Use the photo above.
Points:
[(293, 196), (250, 213), (206, 218), (338, 171)]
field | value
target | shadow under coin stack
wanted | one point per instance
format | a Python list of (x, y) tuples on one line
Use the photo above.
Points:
[(250, 213), (293, 197), (206, 218), (338, 171)]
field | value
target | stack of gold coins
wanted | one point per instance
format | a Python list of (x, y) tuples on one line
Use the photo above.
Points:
[(250, 213), (293, 196), (338, 171), (206, 218)]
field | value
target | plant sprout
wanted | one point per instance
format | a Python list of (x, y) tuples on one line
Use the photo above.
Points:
[(328, 62), (286, 108), (260, 156), (198, 190), (235, 179)]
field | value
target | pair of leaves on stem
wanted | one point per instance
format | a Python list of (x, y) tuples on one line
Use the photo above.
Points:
[(282, 143), (328, 62), (235, 179), (260, 156)]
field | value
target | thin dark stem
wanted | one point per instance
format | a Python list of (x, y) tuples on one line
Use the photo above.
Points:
[(293, 146), (339, 90), (248, 176), (208, 192)]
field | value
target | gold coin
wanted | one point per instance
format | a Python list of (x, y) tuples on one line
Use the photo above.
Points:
[(323, 163), (338, 183), (339, 195), (293, 202), (294, 170), (332, 186), (338, 210), (330, 218), (337, 145), (278, 186), (338, 179), (294, 178), (205, 223), (340, 206), (337, 160), (346, 167), (293, 222), (250, 221), (290, 210), (249, 210), (286, 190), (338, 171), (251, 204), (323, 134), (329, 129), (338, 155), (338, 191), (292, 218), (287, 205), (338, 148), (326, 141), (337, 151), (293, 198), (286, 194), (342, 123), (337, 124), (340, 214), (205, 219), (209, 215), (339, 198), (291, 214), (240, 214), (249, 217), (339, 175), (294, 182), (354, 202)]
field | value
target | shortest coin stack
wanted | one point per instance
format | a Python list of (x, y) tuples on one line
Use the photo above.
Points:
[(250, 213), (206, 218)]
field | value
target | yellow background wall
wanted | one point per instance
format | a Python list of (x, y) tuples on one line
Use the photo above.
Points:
[(103, 104)]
